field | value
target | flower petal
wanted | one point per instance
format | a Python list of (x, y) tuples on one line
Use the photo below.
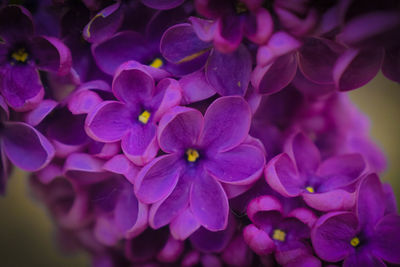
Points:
[(282, 176), (164, 211), (332, 233), (332, 200), (226, 123), (158, 179), (370, 202), (132, 85), (340, 171), (104, 24), (241, 165), (21, 87), (229, 73), (258, 240), (195, 87), (25, 146), (123, 46), (363, 258), (37, 115), (109, 121), (180, 44), (209, 203), (387, 238), (179, 129), (183, 225), (130, 214), (304, 152), (275, 76), (391, 64), (15, 23), (355, 68), (51, 55), (140, 144)]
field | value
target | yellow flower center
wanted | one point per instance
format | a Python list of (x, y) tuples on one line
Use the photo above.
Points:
[(20, 55), (192, 155), (157, 63), (310, 189), (279, 235), (144, 117), (240, 8), (355, 241)]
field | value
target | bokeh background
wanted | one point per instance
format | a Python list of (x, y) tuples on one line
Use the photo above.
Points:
[(27, 233)]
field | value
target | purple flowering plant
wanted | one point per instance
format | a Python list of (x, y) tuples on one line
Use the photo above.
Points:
[(202, 133)]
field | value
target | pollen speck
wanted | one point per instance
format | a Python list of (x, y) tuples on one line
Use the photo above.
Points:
[(157, 63), (279, 235), (20, 55), (144, 117), (355, 241), (192, 155), (310, 189)]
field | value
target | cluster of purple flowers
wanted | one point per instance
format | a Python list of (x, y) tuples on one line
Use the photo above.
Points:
[(202, 133)]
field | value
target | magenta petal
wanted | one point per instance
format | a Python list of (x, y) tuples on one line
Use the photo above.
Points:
[(122, 165), (305, 153), (121, 47), (51, 55), (261, 204), (317, 58), (363, 258), (195, 87), (15, 23), (276, 76), (21, 87), (258, 240), (229, 73), (209, 241), (168, 95), (103, 24), (105, 231), (130, 214), (158, 178), (340, 171), (171, 251), (205, 29), (282, 176), (183, 225), (37, 115), (370, 201), (226, 123), (387, 238), (332, 200), (332, 233), (80, 166), (132, 85), (83, 102), (209, 203), (355, 68), (26, 147), (179, 129), (164, 211), (259, 27), (241, 165), (140, 143), (228, 33), (180, 44), (109, 121), (310, 88)]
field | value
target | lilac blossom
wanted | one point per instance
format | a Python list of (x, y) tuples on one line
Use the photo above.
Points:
[(22, 54), (325, 185), (133, 118), (201, 155), (366, 237)]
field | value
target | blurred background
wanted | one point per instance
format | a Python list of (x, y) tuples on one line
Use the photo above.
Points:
[(27, 233)]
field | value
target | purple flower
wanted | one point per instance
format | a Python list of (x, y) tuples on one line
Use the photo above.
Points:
[(203, 154), (22, 54), (133, 118), (226, 74), (22, 144), (274, 232), (323, 185), (364, 238), (233, 21)]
